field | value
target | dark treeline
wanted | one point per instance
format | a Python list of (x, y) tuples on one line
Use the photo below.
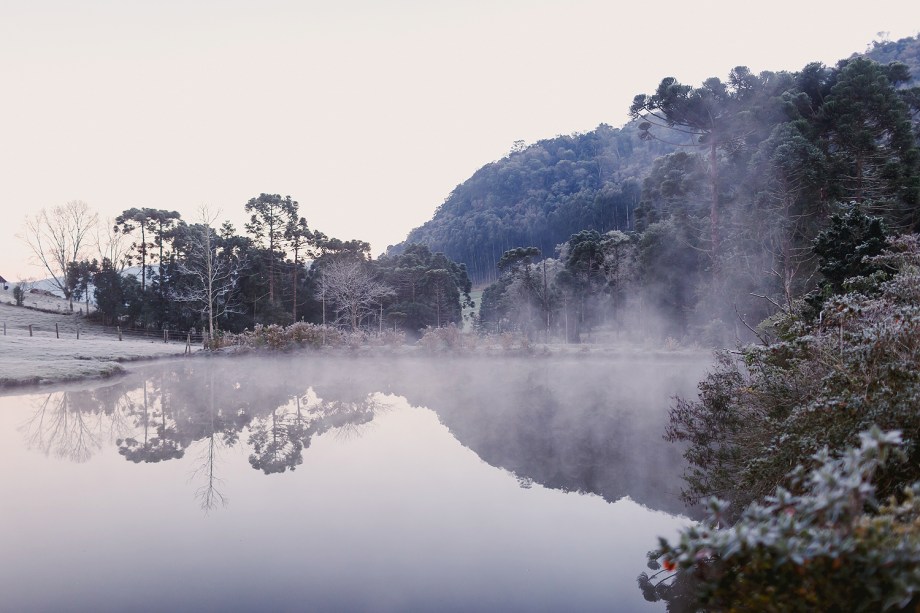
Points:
[(702, 211), (198, 276)]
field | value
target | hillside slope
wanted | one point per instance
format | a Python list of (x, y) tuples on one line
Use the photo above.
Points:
[(542, 194)]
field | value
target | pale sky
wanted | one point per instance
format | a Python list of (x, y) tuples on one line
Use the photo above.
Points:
[(367, 113)]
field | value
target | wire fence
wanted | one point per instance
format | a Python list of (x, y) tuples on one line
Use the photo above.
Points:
[(68, 328)]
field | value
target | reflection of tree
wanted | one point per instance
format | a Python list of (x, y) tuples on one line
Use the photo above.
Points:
[(278, 443), (75, 424), (59, 429), (345, 418), (161, 447), (208, 494), (275, 444), (550, 424)]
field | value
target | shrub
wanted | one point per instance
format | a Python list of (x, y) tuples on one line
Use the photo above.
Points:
[(19, 293), (280, 338), (824, 544), (445, 338), (769, 408)]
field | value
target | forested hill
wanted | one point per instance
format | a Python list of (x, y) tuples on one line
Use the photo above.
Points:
[(542, 194), (905, 50)]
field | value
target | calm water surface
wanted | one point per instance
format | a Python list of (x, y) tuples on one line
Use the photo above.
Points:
[(330, 484)]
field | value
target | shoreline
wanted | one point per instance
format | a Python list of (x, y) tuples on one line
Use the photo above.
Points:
[(42, 372)]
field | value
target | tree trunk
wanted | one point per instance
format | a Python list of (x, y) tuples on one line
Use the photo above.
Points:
[(714, 205)]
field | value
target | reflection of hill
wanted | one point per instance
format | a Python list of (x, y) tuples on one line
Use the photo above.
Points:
[(585, 425), (574, 425)]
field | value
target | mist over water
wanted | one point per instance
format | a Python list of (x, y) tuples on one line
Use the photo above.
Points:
[(343, 483)]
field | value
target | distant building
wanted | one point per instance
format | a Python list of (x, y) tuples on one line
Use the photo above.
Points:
[(4, 284)]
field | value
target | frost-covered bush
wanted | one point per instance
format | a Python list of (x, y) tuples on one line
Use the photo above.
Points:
[(283, 338), (392, 338), (824, 543), (770, 408), (445, 338)]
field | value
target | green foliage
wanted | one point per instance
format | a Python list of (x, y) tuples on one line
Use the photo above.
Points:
[(865, 128), (79, 277), (429, 289), (824, 543), (846, 249), (119, 298), (514, 258)]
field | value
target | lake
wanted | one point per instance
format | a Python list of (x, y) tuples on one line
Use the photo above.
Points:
[(342, 484)]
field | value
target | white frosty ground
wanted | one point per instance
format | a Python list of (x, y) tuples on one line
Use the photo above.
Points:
[(44, 358)]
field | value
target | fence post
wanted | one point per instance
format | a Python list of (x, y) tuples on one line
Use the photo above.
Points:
[(119, 332), (188, 343), (78, 331), (57, 332), (30, 329), (165, 336)]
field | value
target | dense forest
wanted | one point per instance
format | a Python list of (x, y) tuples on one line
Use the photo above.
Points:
[(803, 446), (155, 271), (695, 220)]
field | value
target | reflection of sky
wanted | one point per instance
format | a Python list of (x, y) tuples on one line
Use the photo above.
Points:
[(402, 517)]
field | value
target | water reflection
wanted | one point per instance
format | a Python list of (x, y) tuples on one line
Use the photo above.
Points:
[(159, 414), (572, 425), (409, 504)]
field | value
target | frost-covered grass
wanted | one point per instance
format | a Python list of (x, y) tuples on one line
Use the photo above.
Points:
[(44, 358)]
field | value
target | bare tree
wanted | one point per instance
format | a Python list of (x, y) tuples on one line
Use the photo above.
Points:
[(213, 275), (209, 494), (352, 289), (57, 239), (112, 244)]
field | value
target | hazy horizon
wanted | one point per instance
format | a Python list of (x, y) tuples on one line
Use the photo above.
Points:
[(367, 114)]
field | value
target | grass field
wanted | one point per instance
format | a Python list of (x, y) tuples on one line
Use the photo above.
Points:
[(54, 354)]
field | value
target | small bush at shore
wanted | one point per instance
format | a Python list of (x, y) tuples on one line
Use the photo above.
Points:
[(811, 547)]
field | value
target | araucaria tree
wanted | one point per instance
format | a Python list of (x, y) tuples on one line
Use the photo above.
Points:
[(299, 237), (153, 225), (58, 238), (270, 218)]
